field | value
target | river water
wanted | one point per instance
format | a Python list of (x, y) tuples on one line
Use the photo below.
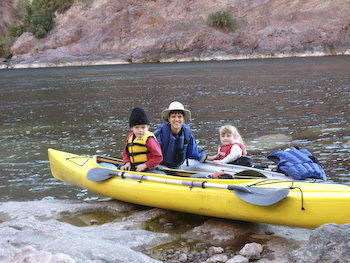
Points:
[(85, 110)]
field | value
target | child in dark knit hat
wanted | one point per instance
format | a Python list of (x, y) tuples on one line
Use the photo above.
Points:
[(142, 151)]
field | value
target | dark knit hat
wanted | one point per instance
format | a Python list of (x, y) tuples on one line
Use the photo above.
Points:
[(138, 117)]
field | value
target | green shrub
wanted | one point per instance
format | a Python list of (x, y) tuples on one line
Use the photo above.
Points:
[(36, 17), (62, 5), (6, 42), (21, 10), (222, 20), (14, 30), (41, 23), (39, 16), (5, 46)]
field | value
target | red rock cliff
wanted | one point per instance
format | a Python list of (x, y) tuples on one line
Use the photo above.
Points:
[(177, 30)]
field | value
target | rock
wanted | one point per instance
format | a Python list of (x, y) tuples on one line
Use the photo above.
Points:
[(201, 246), (272, 141), (219, 232), (215, 250), (251, 251), (6, 15), (169, 226), (24, 44), (238, 259), (347, 144), (31, 231), (35, 230), (183, 257), (163, 221), (269, 232), (219, 258), (327, 243), (29, 254)]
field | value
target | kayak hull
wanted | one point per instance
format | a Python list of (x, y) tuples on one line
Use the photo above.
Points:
[(307, 205)]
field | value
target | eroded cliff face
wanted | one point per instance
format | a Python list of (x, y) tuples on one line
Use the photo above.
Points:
[(6, 17), (118, 31)]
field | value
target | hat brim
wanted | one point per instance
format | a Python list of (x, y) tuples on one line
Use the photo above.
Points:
[(165, 114)]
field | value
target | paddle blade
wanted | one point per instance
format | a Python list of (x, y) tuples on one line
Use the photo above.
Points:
[(100, 174), (261, 196)]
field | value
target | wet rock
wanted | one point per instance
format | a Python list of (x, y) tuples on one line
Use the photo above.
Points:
[(252, 251), (163, 221), (169, 226), (273, 141), (94, 222), (327, 243), (347, 144), (219, 232)]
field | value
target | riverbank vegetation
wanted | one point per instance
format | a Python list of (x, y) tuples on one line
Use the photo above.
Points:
[(36, 17)]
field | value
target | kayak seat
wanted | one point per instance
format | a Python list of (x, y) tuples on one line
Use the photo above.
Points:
[(244, 161)]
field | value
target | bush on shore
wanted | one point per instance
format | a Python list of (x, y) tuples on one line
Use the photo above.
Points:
[(36, 17), (222, 20)]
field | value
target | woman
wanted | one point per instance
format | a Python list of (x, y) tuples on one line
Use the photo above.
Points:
[(175, 137)]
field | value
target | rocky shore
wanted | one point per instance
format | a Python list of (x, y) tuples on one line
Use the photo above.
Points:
[(113, 231), (98, 61)]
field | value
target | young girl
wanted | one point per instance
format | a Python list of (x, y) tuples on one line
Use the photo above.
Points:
[(232, 146)]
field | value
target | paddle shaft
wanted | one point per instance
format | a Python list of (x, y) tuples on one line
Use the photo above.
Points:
[(244, 171), (180, 182)]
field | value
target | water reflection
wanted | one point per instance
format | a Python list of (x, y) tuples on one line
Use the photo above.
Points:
[(85, 110)]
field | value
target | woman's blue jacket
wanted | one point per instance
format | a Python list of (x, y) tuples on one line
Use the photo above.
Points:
[(177, 149)]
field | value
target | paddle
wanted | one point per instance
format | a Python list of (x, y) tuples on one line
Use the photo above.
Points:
[(100, 174), (253, 195), (260, 196)]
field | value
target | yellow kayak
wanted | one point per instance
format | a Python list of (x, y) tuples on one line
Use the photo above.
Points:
[(281, 202)]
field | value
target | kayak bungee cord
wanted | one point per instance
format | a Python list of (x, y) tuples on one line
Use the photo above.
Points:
[(302, 195), (266, 182), (79, 157)]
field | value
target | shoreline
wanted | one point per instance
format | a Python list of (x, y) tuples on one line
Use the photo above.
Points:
[(217, 56)]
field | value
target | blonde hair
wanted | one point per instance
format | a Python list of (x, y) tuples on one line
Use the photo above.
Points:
[(231, 130)]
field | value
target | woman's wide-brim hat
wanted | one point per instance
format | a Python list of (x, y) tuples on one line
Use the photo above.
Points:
[(176, 106)]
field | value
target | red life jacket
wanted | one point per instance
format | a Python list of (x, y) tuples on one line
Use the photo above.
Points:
[(225, 150)]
